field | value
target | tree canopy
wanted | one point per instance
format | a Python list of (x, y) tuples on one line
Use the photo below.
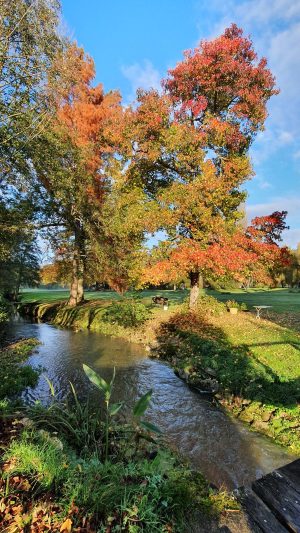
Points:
[(99, 177)]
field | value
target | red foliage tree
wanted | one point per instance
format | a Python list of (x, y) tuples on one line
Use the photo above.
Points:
[(191, 152)]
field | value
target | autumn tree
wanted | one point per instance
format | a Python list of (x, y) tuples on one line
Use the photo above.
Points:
[(190, 152), (76, 149)]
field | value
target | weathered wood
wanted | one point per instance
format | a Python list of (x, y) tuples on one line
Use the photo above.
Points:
[(278, 493), (261, 519), (291, 472)]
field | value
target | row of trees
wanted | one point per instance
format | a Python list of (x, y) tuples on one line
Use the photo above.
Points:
[(95, 178)]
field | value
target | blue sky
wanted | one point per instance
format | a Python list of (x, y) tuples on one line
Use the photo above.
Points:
[(134, 42)]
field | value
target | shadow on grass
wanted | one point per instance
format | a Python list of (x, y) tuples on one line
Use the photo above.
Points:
[(189, 340)]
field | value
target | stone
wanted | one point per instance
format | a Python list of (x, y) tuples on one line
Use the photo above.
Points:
[(246, 402), (260, 425), (210, 372), (266, 416), (247, 416)]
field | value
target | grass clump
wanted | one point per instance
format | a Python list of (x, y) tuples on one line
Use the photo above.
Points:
[(14, 377), (208, 305), (140, 495), (38, 456)]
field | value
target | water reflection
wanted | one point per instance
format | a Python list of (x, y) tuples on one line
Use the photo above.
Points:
[(226, 451)]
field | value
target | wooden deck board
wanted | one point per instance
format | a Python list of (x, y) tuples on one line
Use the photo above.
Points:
[(261, 519), (273, 503)]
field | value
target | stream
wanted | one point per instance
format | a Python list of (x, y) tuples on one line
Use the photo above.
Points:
[(224, 449)]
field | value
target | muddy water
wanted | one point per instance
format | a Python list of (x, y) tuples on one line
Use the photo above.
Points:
[(226, 451)]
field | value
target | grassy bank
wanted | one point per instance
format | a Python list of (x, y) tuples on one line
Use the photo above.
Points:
[(281, 300), (252, 365), (14, 376)]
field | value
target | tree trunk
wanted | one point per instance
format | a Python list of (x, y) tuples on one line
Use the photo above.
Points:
[(196, 285), (76, 289)]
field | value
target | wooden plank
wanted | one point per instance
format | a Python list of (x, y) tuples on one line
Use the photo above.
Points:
[(280, 496), (292, 472), (261, 519)]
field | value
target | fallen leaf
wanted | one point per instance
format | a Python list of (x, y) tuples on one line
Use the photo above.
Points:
[(66, 527)]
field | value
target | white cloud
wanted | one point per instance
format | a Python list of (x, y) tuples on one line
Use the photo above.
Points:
[(142, 76), (291, 204), (285, 137), (291, 237)]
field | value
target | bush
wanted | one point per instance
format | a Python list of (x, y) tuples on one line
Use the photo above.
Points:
[(233, 304), (208, 305), (127, 313), (13, 377), (4, 310)]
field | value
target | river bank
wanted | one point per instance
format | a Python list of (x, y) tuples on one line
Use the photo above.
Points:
[(52, 470), (251, 366)]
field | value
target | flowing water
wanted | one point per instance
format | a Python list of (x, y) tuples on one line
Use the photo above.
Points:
[(225, 450)]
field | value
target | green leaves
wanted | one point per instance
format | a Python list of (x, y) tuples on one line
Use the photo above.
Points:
[(141, 428), (51, 386), (114, 408), (142, 404), (150, 427), (97, 380)]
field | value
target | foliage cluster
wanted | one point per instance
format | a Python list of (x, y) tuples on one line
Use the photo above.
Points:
[(4, 310), (128, 313), (208, 305), (97, 178), (14, 377), (233, 304), (141, 495)]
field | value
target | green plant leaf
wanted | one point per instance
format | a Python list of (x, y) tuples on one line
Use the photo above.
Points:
[(113, 377), (97, 380), (114, 408), (51, 386), (142, 404), (150, 427)]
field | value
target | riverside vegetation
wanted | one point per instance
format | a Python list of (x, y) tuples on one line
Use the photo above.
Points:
[(77, 468), (251, 365)]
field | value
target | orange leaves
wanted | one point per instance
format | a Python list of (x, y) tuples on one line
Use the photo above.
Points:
[(85, 114), (223, 75)]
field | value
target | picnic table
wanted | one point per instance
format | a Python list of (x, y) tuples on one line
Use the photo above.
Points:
[(260, 308)]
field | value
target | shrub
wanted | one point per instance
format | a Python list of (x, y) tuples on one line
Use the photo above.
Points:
[(232, 304), (208, 305), (4, 310), (127, 313)]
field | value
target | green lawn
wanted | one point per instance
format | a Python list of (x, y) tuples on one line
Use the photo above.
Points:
[(281, 300)]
